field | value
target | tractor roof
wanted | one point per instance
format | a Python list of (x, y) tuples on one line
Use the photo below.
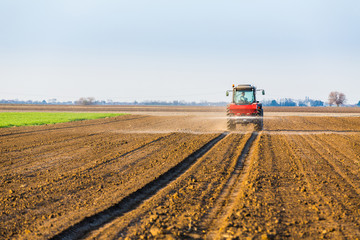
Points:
[(244, 87)]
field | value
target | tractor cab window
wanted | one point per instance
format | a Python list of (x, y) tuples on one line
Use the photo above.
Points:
[(244, 97)]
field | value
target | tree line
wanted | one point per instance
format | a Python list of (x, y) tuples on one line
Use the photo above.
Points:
[(335, 98)]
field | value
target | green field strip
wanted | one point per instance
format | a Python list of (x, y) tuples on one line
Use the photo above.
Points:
[(11, 119)]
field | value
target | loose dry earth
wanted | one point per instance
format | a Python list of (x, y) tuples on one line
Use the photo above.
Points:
[(182, 175)]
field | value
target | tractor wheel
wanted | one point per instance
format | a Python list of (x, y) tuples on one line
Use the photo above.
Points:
[(259, 121), (259, 125), (231, 126)]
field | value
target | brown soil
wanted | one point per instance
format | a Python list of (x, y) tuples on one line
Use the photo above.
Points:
[(187, 207), (304, 124), (142, 176), (314, 109), (300, 187)]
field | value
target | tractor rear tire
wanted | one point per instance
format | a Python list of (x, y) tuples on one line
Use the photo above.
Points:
[(231, 125), (259, 124)]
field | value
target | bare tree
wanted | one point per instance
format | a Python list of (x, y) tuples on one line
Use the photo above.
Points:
[(341, 99), (332, 98), (336, 98), (85, 101)]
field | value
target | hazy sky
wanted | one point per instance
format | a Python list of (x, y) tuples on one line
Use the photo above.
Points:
[(178, 50)]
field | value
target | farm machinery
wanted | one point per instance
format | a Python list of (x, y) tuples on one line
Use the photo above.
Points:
[(244, 108)]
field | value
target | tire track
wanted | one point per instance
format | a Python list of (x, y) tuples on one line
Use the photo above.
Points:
[(225, 203), (133, 200), (275, 182), (194, 187)]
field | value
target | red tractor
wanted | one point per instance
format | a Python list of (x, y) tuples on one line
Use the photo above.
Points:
[(244, 108)]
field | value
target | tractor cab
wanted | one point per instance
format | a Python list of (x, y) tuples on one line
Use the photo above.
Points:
[(243, 97), (244, 94)]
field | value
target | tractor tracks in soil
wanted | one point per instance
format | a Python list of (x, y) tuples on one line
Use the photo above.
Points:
[(132, 201), (214, 220), (189, 207)]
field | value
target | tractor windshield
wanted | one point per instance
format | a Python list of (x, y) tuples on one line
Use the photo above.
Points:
[(243, 97)]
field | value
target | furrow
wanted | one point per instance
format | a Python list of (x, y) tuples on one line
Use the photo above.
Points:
[(328, 188), (337, 168), (316, 199), (127, 153), (225, 202), (41, 143), (41, 149), (349, 149), (178, 209), (133, 200)]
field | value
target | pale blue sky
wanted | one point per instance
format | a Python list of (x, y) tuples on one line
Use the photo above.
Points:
[(178, 50)]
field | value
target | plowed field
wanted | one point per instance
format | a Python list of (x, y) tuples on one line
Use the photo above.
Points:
[(182, 176)]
